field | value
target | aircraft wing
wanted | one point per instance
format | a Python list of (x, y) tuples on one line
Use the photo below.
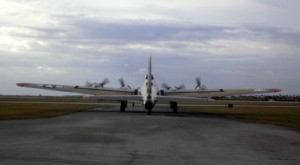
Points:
[(218, 92), (190, 91), (164, 99), (137, 98), (80, 89), (230, 92)]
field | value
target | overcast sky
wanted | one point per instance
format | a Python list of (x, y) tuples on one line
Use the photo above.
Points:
[(228, 43)]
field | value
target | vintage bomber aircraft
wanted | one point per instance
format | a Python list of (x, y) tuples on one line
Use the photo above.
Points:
[(148, 94)]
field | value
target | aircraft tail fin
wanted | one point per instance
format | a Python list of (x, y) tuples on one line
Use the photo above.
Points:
[(149, 77)]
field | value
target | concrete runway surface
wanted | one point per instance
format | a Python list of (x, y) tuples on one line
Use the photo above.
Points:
[(107, 136)]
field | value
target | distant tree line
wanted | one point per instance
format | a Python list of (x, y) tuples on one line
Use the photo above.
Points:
[(261, 98)]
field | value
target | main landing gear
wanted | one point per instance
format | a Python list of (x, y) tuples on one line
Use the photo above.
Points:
[(123, 106), (149, 106), (173, 106)]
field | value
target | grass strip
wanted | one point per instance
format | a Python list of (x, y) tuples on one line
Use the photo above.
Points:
[(283, 116), (258, 112), (10, 111)]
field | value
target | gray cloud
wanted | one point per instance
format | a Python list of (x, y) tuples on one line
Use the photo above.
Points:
[(86, 41)]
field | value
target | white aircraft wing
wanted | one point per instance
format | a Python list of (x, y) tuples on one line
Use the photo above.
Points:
[(137, 98), (80, 89), (164, 99), (190, 91), (230, 92), (218, 92)]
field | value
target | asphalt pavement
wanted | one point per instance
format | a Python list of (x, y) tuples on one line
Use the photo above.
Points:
[(107, 136)]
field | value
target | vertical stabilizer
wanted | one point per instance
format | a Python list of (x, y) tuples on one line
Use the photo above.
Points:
[(149, 77)]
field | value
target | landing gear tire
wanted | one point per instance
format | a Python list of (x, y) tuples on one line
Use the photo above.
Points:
[(174, 107), (149, 106), (149, 111), (123, 106)]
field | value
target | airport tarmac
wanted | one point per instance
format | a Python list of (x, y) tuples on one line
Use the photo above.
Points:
[(107, 136)]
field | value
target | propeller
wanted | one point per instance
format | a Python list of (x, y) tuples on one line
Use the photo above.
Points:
[(88, 84), (167, 87), (105, 81), (199, 86), (122, 83), (198, 82), (95, 84), (180, 87)]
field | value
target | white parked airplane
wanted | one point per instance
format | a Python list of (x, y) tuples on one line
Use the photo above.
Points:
[(148, 94)]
